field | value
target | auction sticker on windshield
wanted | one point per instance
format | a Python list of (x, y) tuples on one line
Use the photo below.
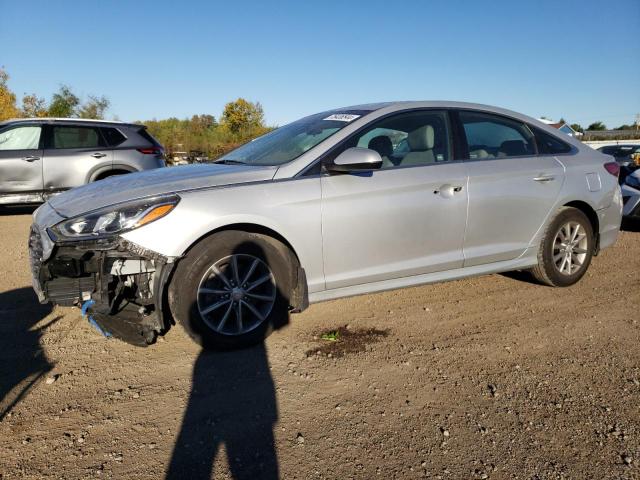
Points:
[(342, 117)]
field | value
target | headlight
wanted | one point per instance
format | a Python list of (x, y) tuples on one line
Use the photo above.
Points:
[(633, 181), (116, 218)]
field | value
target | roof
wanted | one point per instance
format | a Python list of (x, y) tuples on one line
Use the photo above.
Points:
[(65, 120)]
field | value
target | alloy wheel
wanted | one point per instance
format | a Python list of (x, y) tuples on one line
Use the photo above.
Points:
[(236, 294), (570, 248)]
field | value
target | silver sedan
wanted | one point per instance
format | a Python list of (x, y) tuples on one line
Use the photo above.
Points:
[(345, 202)]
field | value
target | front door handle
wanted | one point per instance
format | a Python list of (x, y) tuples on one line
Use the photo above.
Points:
[(447, 190), (31, 158), (99, 155), (544, 178)]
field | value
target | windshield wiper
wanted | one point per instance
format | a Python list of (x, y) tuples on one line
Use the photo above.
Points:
[(226, 161)]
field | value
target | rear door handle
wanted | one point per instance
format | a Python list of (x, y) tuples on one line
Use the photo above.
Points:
[(31, 158), (99, 155), (544, 178)]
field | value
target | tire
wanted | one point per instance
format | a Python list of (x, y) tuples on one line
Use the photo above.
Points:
[(208, 276), (559, 264), (110, 173)]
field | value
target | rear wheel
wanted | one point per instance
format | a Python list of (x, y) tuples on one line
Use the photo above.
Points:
[(566, 249), (232, 289)]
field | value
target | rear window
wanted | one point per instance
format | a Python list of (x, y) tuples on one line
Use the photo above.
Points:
[(76, 137), (113, 137), (493, 136), (148, 137), (549, 144)]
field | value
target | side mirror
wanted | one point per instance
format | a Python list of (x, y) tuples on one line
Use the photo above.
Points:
[(356, 160)]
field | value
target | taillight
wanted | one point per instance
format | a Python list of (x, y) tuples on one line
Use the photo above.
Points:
[(150, 151), (613, 168)]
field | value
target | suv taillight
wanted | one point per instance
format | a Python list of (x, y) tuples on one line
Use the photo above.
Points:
[(613, 168), (150, 151)]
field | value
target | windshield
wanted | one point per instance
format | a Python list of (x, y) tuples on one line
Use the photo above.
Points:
[(289, 142)]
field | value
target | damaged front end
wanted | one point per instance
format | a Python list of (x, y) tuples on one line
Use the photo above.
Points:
[(119, 285)]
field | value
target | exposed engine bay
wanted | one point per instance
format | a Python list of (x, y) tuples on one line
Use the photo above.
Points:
[(117, 284)]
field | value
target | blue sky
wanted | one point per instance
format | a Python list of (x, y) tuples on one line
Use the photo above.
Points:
[(577, 59)]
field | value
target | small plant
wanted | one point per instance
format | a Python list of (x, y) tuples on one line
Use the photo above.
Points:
[(331, 336)]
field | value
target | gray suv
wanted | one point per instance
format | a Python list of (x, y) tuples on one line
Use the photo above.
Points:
[(41, 157)]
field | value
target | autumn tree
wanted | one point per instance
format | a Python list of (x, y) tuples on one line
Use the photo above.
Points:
[(8, 107), (243, 117), (63, 103), (33, 106), (94, 107)]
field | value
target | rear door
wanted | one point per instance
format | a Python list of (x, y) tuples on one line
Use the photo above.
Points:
[(512, 188), (21, 160), (73, 153)]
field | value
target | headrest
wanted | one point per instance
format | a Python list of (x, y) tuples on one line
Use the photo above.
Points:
[(382, 145), (513, 147), (421, 138)]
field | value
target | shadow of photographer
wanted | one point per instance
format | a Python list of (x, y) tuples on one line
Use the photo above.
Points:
[(232, 404)]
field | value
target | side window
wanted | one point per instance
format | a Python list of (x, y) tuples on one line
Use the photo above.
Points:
[(492, 136), (407, 139), (20, 138), (549, 144), (113, 136), (75, 137)]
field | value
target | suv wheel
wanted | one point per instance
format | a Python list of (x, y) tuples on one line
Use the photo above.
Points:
[(566, 249), (232, 289)]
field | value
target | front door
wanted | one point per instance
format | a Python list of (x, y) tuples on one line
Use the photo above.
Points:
[(20, 163), (408, 218)]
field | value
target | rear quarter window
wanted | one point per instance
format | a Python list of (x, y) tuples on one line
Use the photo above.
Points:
[(113, 136), (549, 144)]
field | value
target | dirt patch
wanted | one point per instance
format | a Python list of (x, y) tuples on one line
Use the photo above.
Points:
[(344, 340)]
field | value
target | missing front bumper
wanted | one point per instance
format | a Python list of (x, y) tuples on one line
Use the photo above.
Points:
[(120, 284)]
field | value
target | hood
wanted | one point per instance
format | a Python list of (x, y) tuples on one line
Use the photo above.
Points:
[(122, 188)]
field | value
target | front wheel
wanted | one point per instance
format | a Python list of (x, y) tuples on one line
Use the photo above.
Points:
[(232, 289), (566, 249)]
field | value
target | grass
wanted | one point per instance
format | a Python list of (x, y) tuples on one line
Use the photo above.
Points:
[(331, 336)]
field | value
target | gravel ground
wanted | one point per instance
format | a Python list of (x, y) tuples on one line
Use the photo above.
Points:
[(490, 377)]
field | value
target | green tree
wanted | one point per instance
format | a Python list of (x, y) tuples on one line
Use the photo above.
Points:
[(94, 107), (8, 107), (597, 126), (577, 127), (63, 103), (243, 117), (33, 106)]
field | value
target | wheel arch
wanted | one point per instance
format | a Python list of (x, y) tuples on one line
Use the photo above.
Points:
[(249, 228), (589, 211), (107, 171), (299, 299)]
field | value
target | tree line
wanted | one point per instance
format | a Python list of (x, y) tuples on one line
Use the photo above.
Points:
[(241, 120)]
